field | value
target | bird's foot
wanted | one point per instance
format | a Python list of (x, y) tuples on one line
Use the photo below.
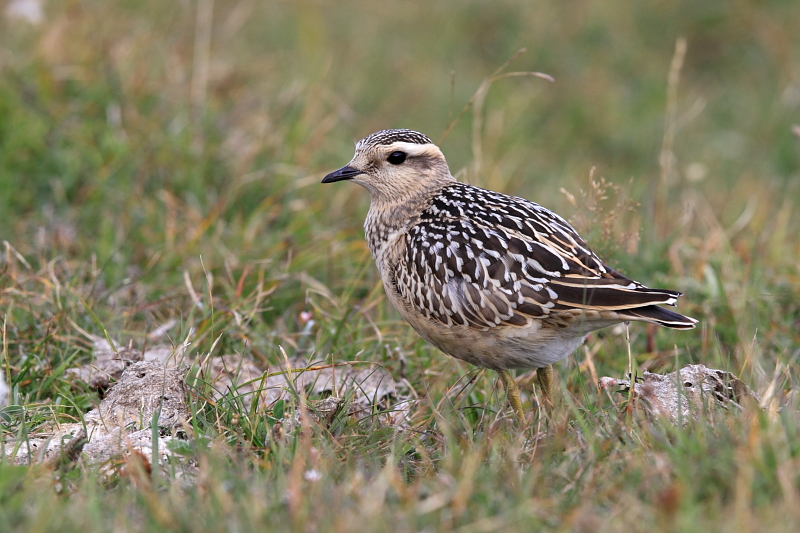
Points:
[(512, 391), (545, 377)]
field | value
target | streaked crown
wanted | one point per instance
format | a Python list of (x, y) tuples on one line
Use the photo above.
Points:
[(385, 137)]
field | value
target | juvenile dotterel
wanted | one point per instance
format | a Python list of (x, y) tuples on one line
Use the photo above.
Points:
[(495, 280)]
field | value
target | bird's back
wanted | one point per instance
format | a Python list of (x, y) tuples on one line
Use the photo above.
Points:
[(477, 260)]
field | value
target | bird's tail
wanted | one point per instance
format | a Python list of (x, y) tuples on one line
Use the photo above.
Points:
[(631, 300), (658, 315)]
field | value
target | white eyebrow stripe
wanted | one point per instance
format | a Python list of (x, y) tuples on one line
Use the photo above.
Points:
[(414, 150)]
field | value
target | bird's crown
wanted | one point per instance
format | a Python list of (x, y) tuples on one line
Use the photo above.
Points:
[(385, 137)]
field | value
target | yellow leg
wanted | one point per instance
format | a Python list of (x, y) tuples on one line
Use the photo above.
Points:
[(513, 395), (545, 377)]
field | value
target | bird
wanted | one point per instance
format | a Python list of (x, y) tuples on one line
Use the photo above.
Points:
[(495, 280)]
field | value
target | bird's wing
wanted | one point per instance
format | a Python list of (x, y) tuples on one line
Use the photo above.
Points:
[(482, 259)]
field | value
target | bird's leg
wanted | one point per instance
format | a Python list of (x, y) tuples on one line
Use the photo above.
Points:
[(513, 395), (545, 377)]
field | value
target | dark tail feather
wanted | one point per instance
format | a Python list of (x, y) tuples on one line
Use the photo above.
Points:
[(609, 297), (660, 316)]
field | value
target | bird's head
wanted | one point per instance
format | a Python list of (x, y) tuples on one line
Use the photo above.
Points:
[(395, 164)]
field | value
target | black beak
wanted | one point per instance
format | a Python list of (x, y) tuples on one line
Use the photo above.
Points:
[(344, 173)]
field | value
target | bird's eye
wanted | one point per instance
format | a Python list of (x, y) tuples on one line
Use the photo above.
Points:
[(396, 158)]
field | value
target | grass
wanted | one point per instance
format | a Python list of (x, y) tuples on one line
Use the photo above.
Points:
[(146, 147)]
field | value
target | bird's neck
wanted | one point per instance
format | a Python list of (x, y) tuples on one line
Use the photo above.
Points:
[(389, 218)]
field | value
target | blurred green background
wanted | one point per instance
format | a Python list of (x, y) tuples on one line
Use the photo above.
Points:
[(107, 106), (146, 135), (146, 139)]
